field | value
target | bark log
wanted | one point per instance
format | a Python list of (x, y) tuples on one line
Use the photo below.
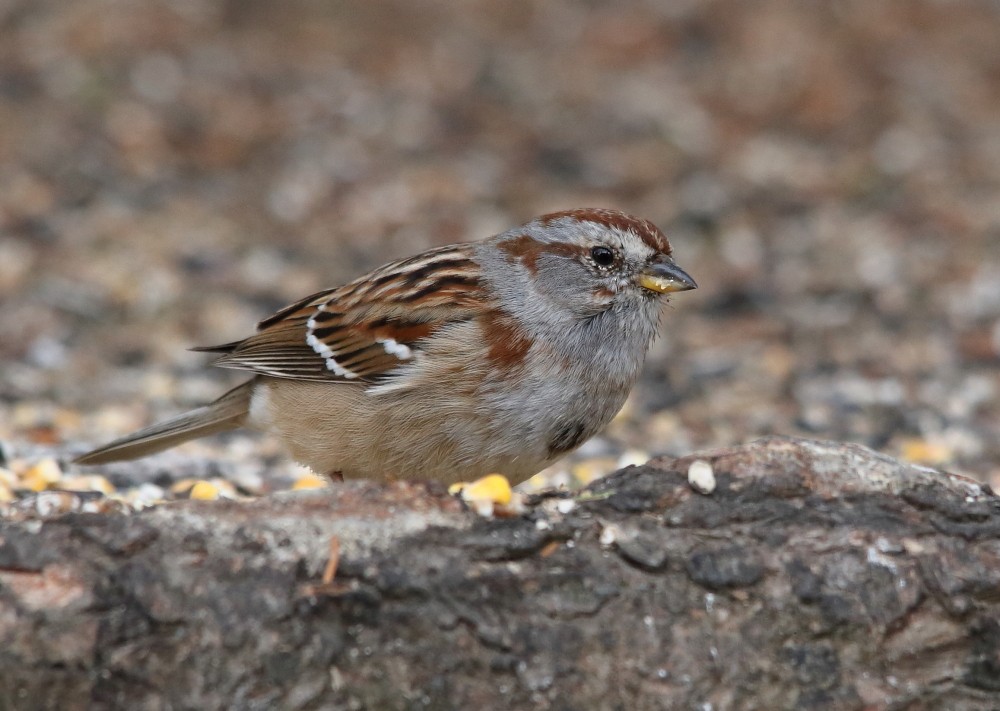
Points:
[(813, 576)]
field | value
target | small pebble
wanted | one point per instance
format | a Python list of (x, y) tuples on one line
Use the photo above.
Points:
[(145, 495), (51, 503), (248, 479), (517, 505), (701, 477), (565, 506), (632, 457), (106, 505), (609, 535)]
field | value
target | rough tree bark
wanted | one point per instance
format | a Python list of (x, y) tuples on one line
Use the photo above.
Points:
[(814, 576)]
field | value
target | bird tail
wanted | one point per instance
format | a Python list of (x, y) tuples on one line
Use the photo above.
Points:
[(226, 413)]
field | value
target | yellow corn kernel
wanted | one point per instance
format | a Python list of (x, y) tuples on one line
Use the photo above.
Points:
[(41, 475), (492, 487), (204, 491), (921, 451), (309, 481)]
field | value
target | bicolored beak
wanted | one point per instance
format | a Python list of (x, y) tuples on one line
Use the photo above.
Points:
[(665, 277)]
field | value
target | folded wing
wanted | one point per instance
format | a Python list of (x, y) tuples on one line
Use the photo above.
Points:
[(363, 330)]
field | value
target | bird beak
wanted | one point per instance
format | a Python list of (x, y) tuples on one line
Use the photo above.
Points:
[(665, 277)]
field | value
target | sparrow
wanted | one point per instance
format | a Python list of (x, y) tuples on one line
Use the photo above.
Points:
[(498, 356)]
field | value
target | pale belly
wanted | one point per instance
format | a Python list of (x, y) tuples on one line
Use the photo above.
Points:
[(442, 436)]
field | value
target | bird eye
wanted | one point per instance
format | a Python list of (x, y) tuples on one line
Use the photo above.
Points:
[(602, 256)]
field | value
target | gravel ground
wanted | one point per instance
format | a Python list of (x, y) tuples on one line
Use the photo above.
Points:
[(170, 172)]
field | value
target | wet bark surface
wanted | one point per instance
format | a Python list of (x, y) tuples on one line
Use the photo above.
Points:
[(814, 576)]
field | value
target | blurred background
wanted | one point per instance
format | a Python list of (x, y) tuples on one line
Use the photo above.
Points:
[(173, 171)]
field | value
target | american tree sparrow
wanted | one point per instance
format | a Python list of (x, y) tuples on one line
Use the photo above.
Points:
[(495, 356)]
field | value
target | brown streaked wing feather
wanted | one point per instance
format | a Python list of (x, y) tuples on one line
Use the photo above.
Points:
[(364, 329), (221, 348), (299, 310), (308, 304)]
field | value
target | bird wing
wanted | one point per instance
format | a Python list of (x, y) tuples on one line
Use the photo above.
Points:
[(363, 330)]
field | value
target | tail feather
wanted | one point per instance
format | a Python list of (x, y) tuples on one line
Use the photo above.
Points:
[(227, 413)]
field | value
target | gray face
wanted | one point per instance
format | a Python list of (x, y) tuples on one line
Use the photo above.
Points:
[(600, 269), (582, 277), (583, 262)]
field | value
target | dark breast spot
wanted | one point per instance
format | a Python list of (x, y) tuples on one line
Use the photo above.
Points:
[(567, 438)]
